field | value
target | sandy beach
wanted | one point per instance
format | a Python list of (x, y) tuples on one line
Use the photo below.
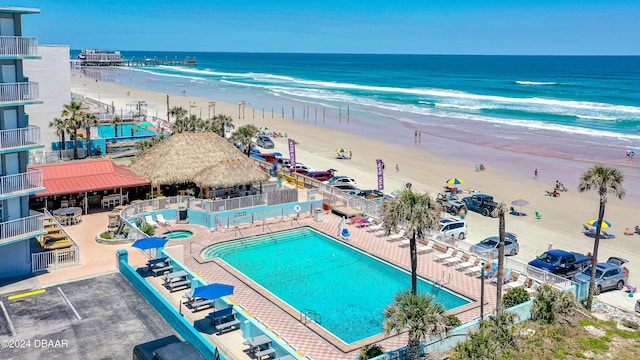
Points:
[(509, 174)]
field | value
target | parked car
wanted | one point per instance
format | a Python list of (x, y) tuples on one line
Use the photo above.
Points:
[(265, 142), (490, 245), (320, 175), (341, 180), (285, 162), (369, 194), (481, 203), (166, 348), (452, 226), (609, 275), (271, 158), (560, 262), (300, 169)]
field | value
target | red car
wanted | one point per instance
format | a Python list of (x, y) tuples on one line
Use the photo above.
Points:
[(320, 175)]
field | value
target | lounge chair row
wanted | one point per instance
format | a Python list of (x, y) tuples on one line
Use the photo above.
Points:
[(159, 217)]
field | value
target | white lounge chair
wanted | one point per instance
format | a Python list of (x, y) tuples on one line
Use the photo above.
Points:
[(519, 282), (398, 236), (472, 261), (404, 243), (454, 259), (161, 220), (372, 228), (149, 220), (426, 248), (475, 269), (446, 255)]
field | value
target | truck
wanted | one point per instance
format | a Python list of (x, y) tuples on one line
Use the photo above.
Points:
[(166, 348), (481, 203), (450, 203), (560, 262)]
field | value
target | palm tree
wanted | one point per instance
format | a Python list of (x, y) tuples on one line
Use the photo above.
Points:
[(60, 125), (178, 112), (418, 213), (116, 121), (549, 303), (89, 120), (245, 135), (499, 211), (493, 336), (604, 180), (420, 315), (73, 115), (220, 122)]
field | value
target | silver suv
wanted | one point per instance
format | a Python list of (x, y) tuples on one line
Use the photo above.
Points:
[(455, 227)]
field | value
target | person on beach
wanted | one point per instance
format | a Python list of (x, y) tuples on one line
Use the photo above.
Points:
[(550, 247), (535, 174), (415, 136), (637, 229), (420, 136), (628, 232), (350, 154), (625, 271), (397, 167)]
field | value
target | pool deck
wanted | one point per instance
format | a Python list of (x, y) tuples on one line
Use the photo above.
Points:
[(259, 304)]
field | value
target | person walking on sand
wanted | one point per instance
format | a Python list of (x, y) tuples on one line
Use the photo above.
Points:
[(415, 136), (550, 247), (420, 136), (625, 271), (350, 154), (397, 167), (535, 174)]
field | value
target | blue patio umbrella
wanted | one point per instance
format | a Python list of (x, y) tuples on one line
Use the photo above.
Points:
[(149, 243), (255, 156), (277, 154), (213, 291)]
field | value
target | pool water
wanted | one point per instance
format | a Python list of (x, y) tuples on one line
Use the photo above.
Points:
[(308, 270), (124, 130), (177, 234)]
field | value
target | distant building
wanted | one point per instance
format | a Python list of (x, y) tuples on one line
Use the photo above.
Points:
[(53, 76), (19, 227)]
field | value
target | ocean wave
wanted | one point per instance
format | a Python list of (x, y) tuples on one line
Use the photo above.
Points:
[(593, 117), (455, 106), (522, 82)]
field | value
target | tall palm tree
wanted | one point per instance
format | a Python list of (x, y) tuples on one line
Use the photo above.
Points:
[(245, 135), (73, 115), (420, 315), (499, 211), (60, 125), (178, 112), (116, 121), (418, 213), (89, 120), (604, 180)]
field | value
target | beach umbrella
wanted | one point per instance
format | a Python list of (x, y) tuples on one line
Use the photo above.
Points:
[(455, 181), (256, 156), (594, 223), (264, 128), (149, 243), (213, 291), (520, 203), (342, 150)]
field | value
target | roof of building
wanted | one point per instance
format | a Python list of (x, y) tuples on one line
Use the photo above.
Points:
[(86, 176), (18, 10)]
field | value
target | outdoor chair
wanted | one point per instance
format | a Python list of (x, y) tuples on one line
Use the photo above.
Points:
[(454, 259), (519, 282), (286, 357), (149, 220), (376, 227), (607, 235), (445, 255), (426, 248), (398, 236), (161, 220), (473, 260), (538, 216), (587, 230)]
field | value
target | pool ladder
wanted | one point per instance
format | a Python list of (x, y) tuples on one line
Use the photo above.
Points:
[(270, 232), (308, 314), (440, 283), (236, 230)]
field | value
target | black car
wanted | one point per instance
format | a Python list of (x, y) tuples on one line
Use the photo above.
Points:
[(369, 194)]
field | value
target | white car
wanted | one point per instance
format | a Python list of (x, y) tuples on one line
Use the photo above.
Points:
[(455, 227), (341, 180), (299, 168)]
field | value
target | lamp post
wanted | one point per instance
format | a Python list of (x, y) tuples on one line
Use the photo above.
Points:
[(484, 263)]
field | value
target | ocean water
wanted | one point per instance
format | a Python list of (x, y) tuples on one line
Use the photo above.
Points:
[(584, 109)]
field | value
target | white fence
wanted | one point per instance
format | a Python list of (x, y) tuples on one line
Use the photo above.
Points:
[(55, 259)]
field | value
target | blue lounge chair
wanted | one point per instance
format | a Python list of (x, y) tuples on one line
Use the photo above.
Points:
[(507, 276), (607, 235)]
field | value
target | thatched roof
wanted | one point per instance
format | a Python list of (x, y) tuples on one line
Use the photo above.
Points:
[(226, 174), (178, 158)]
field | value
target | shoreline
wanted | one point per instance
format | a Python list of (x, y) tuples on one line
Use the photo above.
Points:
[(508, 176)]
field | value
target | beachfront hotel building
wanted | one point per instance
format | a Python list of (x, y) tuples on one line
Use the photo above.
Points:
[(19, 227)]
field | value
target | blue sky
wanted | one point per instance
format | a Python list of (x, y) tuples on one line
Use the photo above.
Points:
[(517, 27)]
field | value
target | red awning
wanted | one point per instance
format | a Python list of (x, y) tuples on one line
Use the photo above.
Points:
[(77, 177)]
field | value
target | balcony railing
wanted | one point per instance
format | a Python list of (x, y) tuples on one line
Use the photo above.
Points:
[(13, 229), (17, 138), (18, 46), (19, 92), (32, 179)]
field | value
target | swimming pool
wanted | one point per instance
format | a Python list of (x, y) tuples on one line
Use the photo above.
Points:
[(124, 130), (177, 234), (309, 270)]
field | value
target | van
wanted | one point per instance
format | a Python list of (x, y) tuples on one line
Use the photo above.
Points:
[(455, 227), (167, 348)]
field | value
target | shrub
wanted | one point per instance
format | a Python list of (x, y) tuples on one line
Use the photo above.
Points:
[(453, 321), (551, 303), (106, 235), (148, 229), (370, 351), (514, 297)]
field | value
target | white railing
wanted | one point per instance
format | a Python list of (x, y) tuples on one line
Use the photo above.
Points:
[(55, 259), (26, 225), (21, 137), (18, 46), (19, 91), (32, 179)]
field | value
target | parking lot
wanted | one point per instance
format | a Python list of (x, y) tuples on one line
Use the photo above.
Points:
[(101, 317)]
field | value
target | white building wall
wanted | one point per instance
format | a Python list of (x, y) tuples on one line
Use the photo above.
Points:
[(53, 75)]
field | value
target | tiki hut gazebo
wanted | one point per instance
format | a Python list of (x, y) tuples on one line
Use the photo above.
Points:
[(205, 159)]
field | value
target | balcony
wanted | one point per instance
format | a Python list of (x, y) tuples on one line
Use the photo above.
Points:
[(21, 184), (20, 139), (12, 47), (22, 93), (21, 229)]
